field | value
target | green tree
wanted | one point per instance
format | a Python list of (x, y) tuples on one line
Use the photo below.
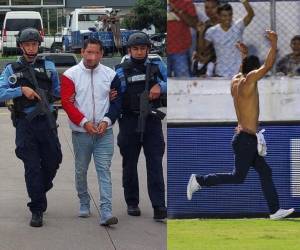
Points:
[(147, 12)]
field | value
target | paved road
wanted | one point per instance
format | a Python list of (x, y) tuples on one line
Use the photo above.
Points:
[(63, 230)]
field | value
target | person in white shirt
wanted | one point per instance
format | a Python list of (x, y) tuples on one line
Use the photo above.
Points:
[(224, 37)]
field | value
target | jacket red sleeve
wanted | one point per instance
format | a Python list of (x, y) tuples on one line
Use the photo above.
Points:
[(67, 90)]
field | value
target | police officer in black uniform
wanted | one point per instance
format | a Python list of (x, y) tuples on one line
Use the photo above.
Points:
[(31, 82), (132, 74)]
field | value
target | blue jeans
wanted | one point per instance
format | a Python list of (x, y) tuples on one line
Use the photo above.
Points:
[(102, 148), (178, 64)]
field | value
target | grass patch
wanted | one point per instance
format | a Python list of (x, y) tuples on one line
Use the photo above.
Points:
[(8, 57), (237, 234)]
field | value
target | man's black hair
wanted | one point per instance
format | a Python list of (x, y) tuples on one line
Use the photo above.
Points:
[(216, 1), (225, 7), (295, 38), (92, 40), (250, 63)]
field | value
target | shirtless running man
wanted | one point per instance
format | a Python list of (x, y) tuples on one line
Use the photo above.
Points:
[(246, 102)]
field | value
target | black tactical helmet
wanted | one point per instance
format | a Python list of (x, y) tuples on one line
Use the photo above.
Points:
[(138, 38), (29, 34)]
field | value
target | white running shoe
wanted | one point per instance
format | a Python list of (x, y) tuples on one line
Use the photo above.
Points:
[(192, 187), (281, 213)]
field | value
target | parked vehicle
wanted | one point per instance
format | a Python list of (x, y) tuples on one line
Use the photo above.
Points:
[(158, 43), (100, 23), (53, 43), (15, 21), (62, 61)]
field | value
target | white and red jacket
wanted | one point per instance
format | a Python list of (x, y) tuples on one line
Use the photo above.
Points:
[(91, 88)]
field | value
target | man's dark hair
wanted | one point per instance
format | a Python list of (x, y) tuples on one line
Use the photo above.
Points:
[(295, 38), (216, 1), (224, 7), (250, 63), (92, 40)]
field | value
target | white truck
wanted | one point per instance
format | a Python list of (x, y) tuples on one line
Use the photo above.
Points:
[(15, 21), (101, 23)]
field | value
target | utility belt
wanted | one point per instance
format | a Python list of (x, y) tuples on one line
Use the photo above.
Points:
[(132, 102), (130, 113), (22, 115), (156, 114)]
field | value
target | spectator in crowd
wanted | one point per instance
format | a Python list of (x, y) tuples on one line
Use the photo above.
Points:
[(203, 61), (290, 64), (181, 15), (224, 37), (211, 16)]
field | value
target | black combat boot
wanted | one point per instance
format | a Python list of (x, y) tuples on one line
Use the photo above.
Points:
[(133, 210), (36, 219), (160, 214)]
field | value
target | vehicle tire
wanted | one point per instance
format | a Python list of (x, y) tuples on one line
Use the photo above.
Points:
[(56, 48), (124, 51), (4, 52)]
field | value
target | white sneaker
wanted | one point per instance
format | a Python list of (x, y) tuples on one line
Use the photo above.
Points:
[(281, 213), (192, 187)]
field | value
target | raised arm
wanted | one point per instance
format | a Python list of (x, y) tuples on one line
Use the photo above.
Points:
[(242, 47), (190, 20), (256, 75), (250, 13)]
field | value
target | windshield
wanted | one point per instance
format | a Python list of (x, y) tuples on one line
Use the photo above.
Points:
[(60, 60), (19, 24), (90, 17), (86, 21)]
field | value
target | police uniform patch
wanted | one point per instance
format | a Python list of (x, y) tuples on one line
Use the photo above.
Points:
[(137, 78), (48, 72)]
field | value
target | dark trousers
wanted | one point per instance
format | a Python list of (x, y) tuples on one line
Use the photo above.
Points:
[(39, 149), (246, 155), (130, 147)]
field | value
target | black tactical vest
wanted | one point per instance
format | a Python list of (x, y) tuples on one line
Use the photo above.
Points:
[(135, 78), (25, 80)]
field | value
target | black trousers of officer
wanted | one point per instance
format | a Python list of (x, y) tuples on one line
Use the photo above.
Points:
[(130, 147), (39, 149), (246, 155)]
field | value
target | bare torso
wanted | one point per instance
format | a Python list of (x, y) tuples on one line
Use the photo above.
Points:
[(246, 103)]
